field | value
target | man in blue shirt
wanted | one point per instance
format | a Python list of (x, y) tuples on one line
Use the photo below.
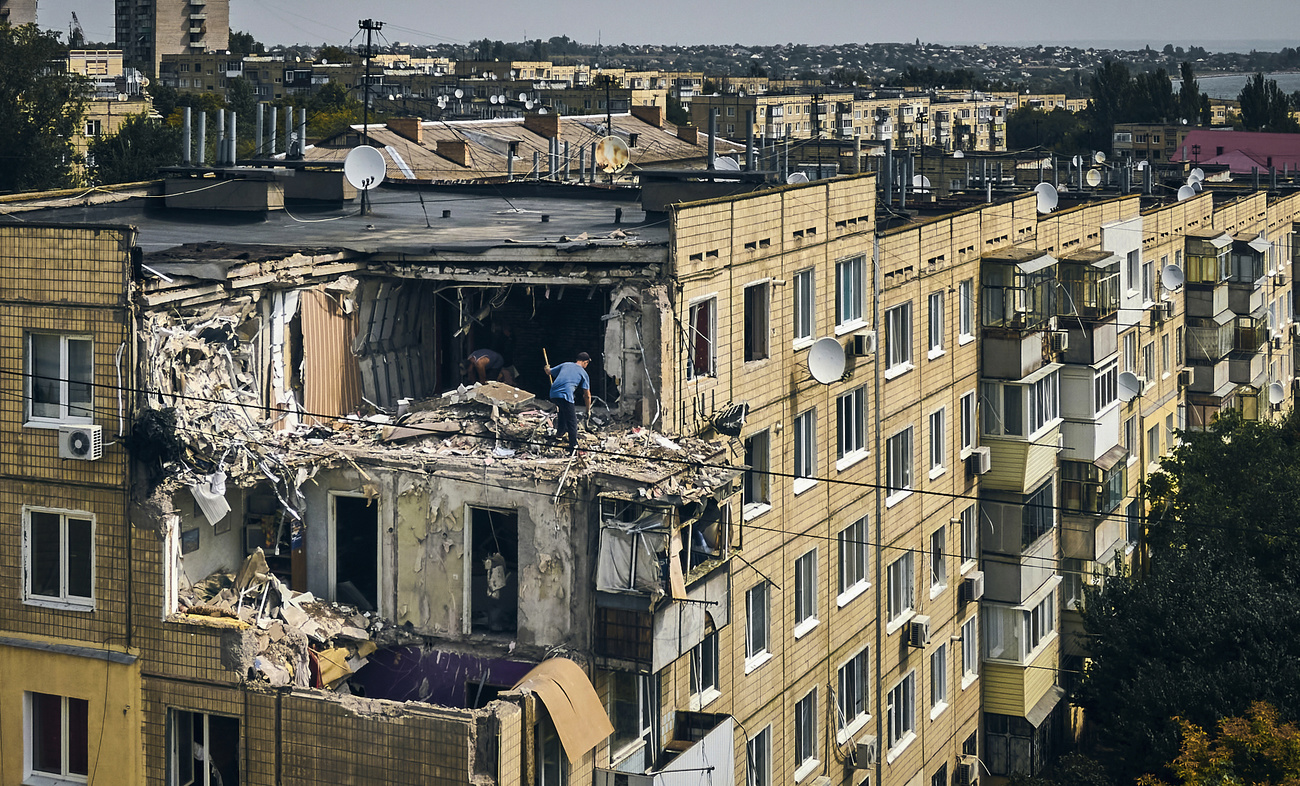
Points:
[(568, 379)]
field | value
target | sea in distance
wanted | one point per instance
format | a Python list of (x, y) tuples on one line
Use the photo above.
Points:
[(1229, 85)]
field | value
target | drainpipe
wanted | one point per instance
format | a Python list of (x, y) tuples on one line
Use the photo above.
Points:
[(879, 536)]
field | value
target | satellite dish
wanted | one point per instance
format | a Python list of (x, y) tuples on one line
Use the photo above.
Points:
[(523, 96), (794, 178), (364, 168), (826, 360), (727, 163), (1128, 386), (1093, 178), (528, 105), (1171, 277), (612, 154), (1198, 186), (1193, 178), (460, 93), (1197, 173), (513, 73), (1047, 197), (1077, 161), (1141, 165), (1186, 192), (958, 154), (1276, 393), (1099, 157), (920, 183)]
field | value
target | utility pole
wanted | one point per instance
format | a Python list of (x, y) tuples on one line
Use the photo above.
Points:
[(371, 27), (817, 129)]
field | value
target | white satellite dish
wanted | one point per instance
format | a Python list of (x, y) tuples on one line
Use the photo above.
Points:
[(1186, 192), (1093, 178), (1198, 186), (920, 183), (1128, 386), (794, 178), (364, 168), (1099, 157), (528, 105), (460, 93), (958, 154), (523, 96), (1276, 393), (1193, 178), (826, 360), (727, 163), (541, 111), (1197, 173), (1171, 277), (1047, 197), (612, 154), (1077, 161)]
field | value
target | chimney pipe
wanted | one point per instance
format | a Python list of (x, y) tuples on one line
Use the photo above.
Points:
[(275, 129), (713, 133), (186, 143), (232, 140), (260, 124), (302, 132), (203, 137), (749, 140), (221, 138)]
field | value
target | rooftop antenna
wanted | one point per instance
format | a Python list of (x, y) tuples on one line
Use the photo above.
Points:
[(1276, 393), (1093, 177), (364, 168), (371, 27), (76, 35)]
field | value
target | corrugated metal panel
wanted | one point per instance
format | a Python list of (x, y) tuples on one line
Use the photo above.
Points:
[(332, 378), (1004, 688)]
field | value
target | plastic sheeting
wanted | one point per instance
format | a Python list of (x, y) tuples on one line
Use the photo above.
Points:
[(629, 556)]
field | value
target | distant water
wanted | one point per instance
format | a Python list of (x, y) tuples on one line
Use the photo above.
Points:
[(1229, 85)]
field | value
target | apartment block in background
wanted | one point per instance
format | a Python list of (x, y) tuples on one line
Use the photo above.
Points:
[(149, 29)]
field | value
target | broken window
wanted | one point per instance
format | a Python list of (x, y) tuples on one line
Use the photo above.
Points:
[(757, 481), (202, 749), (633, 541), (356, 551), (493, 571), (704, 533), (757, 313), (701, 338)]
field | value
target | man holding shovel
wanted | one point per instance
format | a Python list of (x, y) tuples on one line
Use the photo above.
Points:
[(567, 379)]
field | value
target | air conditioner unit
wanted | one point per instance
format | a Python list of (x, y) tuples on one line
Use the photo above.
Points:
[(83, 443), (918, 632), (1059, 341), (968, 771), (1277, 343), (865, 752), (1185, 378), (972, 587), (1165, 309), (821, 780), (1279, 280), (979, 462), (863, 343), (1296, 329)]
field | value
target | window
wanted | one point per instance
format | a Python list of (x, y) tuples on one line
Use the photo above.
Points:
[(1164, 354), (1010, 408), (703, 359), (936, 324), (1133, 522), (1153, 444), (898, 465), (1169, 431), (970, 650), (940, 776), (1131, 269), (805, 735), (804, 294), (59, 558), (854, 694), (202, 749), (898, 339), (1039, 514), (967, 423), (805, 450), (760, 759), (757, 313), (756, 652), (805, 593), (57, 734), (757, 489), (1149, 363), (853, 560), (966, 310), (901, 591), (938, 680), (1044, 397), (94, 127), (902, 712), (1130, 352), (1105, 387), (704, 672), (1148, 282), (938, 568), (969, 537), (850, 291), (853, 424), (59, 376), (1130, 438), (1039, 622), (1072, 582), (937, 440), (633, 700)]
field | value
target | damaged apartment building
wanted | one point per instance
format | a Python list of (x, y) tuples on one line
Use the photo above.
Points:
[(833, 507)]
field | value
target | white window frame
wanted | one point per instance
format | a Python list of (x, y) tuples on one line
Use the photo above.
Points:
[(759, 447), (898, 340), (854, 677), (1105, 387), (805, 736), (758, 628), (804, 436), (970, 651), (34, 777), (899, 459), (850, 294), (762, 333), (970, 533), (64, 382), (709, 302), (1132, 270), (938, 442), (936, 325), (63, 600), (854, 555), (759, 761), (901, 589), (968, 423), (705, 673), (938, 555), (851, 412), (805, 308), (900, 725), (805, 593), (966, 310), (938, 680)]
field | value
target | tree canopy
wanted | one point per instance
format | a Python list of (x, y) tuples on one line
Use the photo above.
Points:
[(41, 106), (1264, 107), (135, 152), (1258, 749), (1214, 624)]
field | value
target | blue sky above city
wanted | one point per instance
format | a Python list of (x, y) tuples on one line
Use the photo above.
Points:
[(1238, 25)]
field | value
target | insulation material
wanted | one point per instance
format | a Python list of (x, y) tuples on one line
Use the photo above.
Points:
[(331, 375), (573, 704), (211, 497), (625, 548), (284, 305)]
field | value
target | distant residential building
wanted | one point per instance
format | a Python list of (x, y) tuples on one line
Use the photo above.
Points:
[(149, 29), (1154, 142), (117, 93), (1241, 151), (18, 12)]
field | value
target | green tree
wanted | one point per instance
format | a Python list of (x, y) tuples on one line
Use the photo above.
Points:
[(1058, 130), (242, 98), (1264, 107), (1257, 749), (242, 43), (1189, 95), (675, 113), (333, 54), (41, 106), (1214, 623), (139, 148)]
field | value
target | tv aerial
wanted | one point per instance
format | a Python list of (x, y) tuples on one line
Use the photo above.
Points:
[(612, 154), (826, 360), (1047, 197), (1128, 386)]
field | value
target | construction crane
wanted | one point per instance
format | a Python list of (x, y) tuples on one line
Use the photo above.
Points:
[(76, 35)]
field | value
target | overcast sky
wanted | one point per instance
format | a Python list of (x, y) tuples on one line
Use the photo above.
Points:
[(1261, 23)]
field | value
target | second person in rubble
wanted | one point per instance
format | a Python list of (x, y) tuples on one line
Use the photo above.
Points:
[(568, 379)]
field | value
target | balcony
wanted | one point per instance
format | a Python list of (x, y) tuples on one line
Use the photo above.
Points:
[(1090, 280), (702, 750)]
